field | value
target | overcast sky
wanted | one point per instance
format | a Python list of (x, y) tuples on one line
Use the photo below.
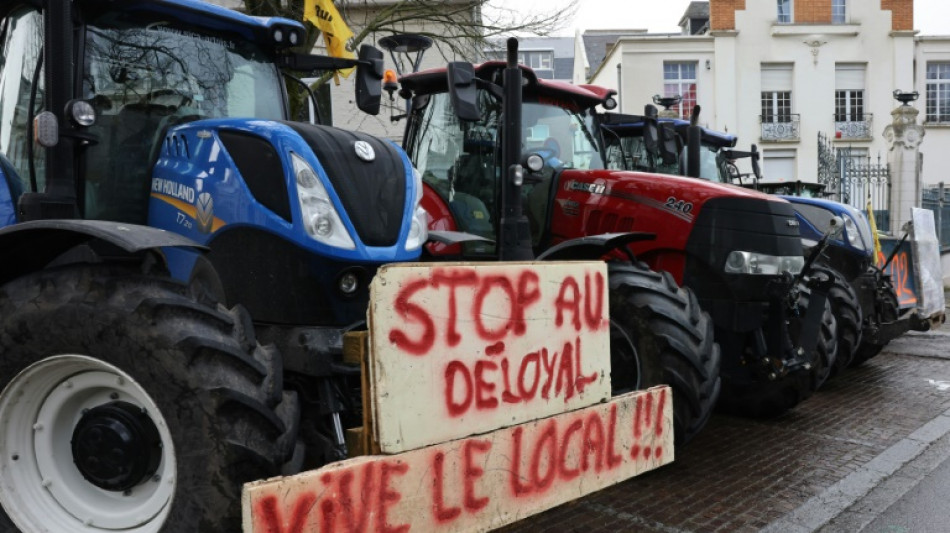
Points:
[(932, 17)]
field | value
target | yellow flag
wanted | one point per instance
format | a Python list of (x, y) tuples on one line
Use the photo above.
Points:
[(878, 254), (324, 15)]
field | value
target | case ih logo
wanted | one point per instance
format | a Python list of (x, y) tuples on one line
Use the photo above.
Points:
[(591, 188)]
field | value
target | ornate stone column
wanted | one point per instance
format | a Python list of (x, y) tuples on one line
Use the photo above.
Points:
[(903, 138)]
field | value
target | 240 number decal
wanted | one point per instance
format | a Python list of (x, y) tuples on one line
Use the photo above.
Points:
[(678, 205)]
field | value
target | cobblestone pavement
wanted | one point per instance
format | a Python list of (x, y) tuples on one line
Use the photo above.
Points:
[(740, 475)]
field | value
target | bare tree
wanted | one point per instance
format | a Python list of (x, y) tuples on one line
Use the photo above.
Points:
[(458, 27)]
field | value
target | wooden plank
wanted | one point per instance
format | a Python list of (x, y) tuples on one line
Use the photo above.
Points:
[(355, 442), (463, 349), (477, 483), (366, 390), (355, 345)]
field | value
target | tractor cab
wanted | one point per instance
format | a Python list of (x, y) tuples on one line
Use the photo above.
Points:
[(126, 74), (628, 145), (461, 160)]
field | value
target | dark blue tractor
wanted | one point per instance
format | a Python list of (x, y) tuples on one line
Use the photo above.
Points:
[(862, 297), (181, 261)]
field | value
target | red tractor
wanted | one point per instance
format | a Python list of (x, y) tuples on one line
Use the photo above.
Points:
[(737, 250)]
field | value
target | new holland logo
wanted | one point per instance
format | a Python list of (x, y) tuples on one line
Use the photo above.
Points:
[(205, 213), (365, 151)]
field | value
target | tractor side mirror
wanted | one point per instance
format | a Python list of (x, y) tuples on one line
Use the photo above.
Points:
[(756, 169), (651, 136), (670, 144), (460, 78), (369, 77)]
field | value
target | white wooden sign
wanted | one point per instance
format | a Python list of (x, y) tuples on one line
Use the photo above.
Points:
[(463, 349), (476, 483)]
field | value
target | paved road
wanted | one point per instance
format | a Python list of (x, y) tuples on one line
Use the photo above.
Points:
[(870, 451), (924, 507)]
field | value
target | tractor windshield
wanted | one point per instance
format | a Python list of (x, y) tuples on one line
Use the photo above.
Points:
[(624, 149), (145, 77), (462, 160)]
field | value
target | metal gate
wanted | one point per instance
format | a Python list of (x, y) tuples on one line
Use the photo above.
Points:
[(856, 180)]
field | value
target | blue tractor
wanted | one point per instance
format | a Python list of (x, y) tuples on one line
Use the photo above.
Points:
[(181, 261), (862, 297)]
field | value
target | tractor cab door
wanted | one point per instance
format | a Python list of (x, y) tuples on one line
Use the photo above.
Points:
[(21, 86), (460, 160)]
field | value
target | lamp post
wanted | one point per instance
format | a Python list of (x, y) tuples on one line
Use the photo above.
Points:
[(401, 47)]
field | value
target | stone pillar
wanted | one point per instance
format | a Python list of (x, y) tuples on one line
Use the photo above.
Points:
[(903, 138)]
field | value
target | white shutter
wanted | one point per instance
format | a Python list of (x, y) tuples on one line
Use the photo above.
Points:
[(778, 165), (776, 78), (849, 77)]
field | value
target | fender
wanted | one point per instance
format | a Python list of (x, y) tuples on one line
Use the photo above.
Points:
[(455, 237), (32, 245), (594, 246)]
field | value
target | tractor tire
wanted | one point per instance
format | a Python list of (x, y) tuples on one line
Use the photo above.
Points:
[(660, 335), (186, 405), (890, 311), (848, 319), (827, 348), (770, 398)]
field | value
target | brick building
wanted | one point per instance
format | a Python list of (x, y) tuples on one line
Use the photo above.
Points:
[(778, 72)]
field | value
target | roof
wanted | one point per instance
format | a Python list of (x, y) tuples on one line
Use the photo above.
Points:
[(696, 10), (583, 96), (562, 48), (598, 42)]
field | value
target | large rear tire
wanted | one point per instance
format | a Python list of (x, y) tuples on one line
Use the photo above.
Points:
[(659, 335), (888, 311), (128, 405)]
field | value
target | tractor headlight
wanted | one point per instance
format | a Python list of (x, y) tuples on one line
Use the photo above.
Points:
[(419, 227), (320, 217), (763, 264)]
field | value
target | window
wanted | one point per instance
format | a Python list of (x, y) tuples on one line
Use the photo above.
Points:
[(784, 11), (541, 61), (938, 92), (679, 79), (776, 93), (143, 78), (839, 11), (849, 93), (21, 49), (849, 105), (776, 106)]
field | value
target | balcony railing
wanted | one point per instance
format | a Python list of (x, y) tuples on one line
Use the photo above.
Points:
[(854, 129), (780, 127)]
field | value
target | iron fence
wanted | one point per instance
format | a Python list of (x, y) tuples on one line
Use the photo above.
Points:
[(934, 197), (856, 180)]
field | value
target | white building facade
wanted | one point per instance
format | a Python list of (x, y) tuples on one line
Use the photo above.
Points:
[(779, 72)]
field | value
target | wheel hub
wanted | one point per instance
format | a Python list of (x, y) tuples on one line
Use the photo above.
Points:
[(116, 446)]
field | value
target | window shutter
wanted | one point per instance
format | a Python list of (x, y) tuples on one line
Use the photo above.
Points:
[(850, 77), (778, 165), (776, 78)]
